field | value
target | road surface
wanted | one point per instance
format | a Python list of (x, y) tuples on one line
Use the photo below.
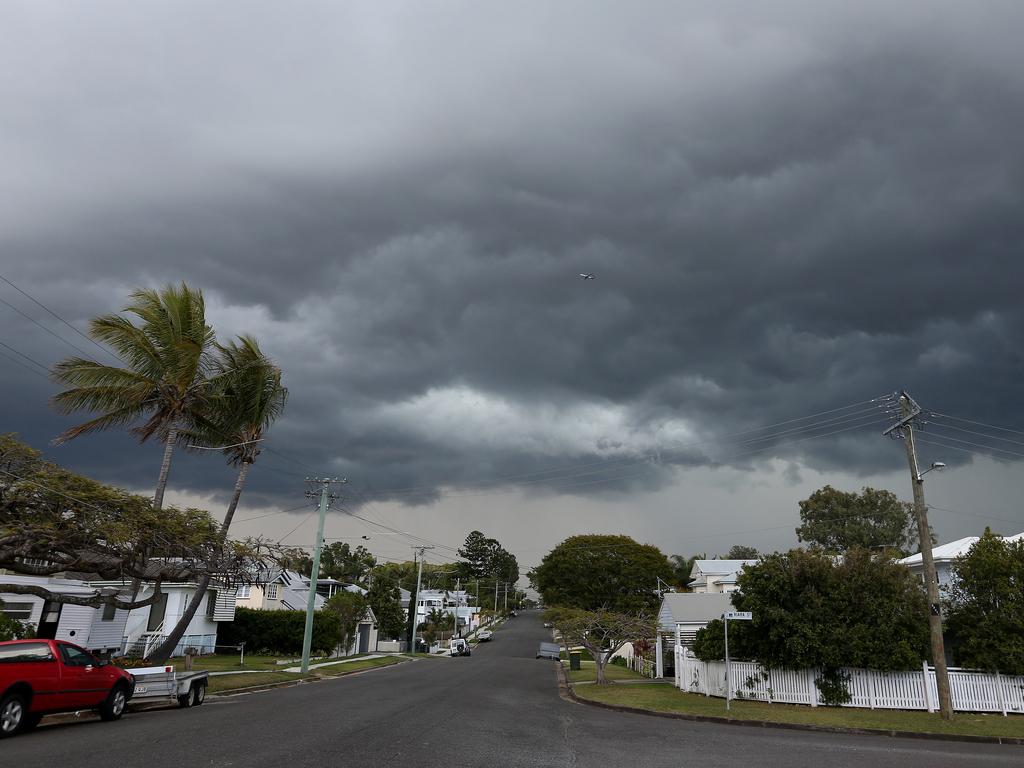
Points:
[(499, 708)]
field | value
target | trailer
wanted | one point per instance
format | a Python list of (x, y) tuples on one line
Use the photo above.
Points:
[(549, 651), (154, 685)]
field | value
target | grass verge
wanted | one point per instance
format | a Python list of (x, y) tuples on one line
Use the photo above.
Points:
[(665, 698), (222, 683), (588, 673), (357, 666)]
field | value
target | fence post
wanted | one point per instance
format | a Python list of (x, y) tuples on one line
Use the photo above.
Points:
[(927, 688), (999, 693), (871, 688), (812, 689)]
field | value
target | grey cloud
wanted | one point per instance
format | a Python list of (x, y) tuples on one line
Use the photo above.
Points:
[(788, 209)]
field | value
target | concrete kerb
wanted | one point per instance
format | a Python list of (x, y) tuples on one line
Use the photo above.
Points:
[(565, 690)]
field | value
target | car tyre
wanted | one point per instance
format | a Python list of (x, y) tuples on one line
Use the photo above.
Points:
[(13, 713), (198, 694), (114, 706)]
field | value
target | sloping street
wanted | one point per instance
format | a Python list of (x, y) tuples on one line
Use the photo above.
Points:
[(498, 708)]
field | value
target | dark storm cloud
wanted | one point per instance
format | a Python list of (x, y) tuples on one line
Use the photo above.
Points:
[(788, 211)]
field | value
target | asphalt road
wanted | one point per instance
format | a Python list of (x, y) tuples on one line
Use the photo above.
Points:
[(498, 708)]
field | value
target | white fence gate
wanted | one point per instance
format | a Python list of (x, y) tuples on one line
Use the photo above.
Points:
[(641, 666), (970, 691)]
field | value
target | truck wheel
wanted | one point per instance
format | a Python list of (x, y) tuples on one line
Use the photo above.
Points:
[(113, 707), (186, 700), (198, 694), (13, 710)]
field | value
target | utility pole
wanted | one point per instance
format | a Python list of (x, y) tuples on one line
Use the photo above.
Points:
[(326, 497), (416, 608), (909, 411), (495, 594)]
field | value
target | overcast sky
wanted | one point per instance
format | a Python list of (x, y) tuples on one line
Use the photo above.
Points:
[(791, 209)]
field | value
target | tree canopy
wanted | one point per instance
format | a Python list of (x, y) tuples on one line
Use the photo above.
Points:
[(53, 521), (813, 610), (485, 558), (386, 601), (985, 612), (742, 552), (601, 572), (837, 521), (350, 608), (601, 632)]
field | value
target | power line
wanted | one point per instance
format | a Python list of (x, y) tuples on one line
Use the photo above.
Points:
[(22, 354), (38, 303), (31, 370), (37, 323), (977, 423)]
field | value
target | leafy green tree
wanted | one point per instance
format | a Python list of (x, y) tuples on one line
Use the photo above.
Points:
[(246, 397), (742, 552), (340, 561), (813, 610), (985, 614), (53, 520), (477, 553), (682, 567), (837, 521), (13, 629), (600, 572), (601, 632), (167, 354), (385, 600), (350, 608)]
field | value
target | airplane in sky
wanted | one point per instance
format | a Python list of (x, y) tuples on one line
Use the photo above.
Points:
[(588, 275)]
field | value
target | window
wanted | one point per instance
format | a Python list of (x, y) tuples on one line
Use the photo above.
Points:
[(76, 657), (211, 603), (22, 611), (22, 652), (156, 614), (271, 591), (109, 611), (243, 592)]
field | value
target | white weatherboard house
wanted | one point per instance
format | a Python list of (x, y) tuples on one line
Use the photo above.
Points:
[(944, 555), (97, 629), (682, 615), (148, 626), (714, 576)]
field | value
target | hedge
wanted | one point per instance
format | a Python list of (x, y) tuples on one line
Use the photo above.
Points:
[(279, 632)]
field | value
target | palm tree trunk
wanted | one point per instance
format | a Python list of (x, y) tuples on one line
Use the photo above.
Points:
[(161, 654), (165, 468), (166, 648), (243, 471)]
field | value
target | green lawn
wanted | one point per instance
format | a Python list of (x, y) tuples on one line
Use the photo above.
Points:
[(221, 683), (226, 663), (665, 698), (588, 672), (357, 666)]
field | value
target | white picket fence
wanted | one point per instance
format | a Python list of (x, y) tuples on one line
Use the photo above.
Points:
[(641, 666), (970, 691)]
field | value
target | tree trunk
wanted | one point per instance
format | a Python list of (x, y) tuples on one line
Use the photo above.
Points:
[(161, 654), (165, 468), (600, 659), (166, 648)]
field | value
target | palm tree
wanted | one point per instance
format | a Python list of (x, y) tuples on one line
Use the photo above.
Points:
[(246, 398), (167, 357)]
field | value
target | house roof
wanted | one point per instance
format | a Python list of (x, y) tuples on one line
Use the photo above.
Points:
[(691, 608), (952, 550), (718, 567)]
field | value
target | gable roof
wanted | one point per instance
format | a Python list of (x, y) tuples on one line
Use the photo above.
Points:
[(952, 550), (691, 608), (718, 567)]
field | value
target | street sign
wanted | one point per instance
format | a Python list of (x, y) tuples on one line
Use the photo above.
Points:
[(738, 615)]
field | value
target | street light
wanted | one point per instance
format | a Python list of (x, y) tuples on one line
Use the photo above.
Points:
[(935, 465)]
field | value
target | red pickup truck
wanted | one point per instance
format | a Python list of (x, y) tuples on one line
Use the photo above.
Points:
[(39, 677)]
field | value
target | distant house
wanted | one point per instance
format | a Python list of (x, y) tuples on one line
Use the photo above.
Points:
[(277, 589), (944, 556), (681, 616), (716, 576), (98, 629), (451, 601)]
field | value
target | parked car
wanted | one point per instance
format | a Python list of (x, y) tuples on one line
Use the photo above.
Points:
[(547, 625), (484, 635), (40, 677), (459, 647)]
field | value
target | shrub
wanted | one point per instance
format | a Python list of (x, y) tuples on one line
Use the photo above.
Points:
[(280, 632)]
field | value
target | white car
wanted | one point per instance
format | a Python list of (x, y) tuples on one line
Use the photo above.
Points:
[(484, 635)]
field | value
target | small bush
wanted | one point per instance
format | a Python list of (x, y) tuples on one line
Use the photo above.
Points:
[(833, 685), (619, 661), (280, 632)]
